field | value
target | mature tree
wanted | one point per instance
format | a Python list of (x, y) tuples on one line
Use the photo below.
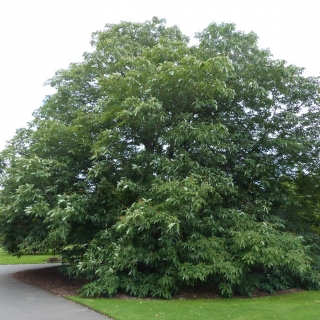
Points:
[(157, 164)]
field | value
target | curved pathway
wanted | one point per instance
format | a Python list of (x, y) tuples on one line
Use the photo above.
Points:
[(20, 301)]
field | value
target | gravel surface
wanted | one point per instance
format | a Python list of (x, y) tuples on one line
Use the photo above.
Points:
[(19, 300)]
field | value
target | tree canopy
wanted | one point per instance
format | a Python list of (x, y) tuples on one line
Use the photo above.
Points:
[(159, 164)]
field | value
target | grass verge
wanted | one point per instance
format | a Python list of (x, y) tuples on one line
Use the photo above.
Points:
[(298, 306), (6, 258)]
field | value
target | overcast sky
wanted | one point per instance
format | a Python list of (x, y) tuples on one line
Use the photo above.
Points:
[(38, 37)]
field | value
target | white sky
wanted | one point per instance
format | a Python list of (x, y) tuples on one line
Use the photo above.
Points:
[(38, 37)]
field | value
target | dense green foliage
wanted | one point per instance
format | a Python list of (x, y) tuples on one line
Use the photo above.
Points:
[(157, 164)]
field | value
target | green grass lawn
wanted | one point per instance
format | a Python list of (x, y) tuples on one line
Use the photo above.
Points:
[(6, 258), (295, 306)]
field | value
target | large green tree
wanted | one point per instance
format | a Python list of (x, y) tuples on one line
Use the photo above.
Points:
[(157, 164)]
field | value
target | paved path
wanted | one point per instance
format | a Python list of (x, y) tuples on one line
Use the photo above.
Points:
[(19, 301)]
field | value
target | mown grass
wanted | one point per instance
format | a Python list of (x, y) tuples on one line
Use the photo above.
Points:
[(297, 306), (6, 258)]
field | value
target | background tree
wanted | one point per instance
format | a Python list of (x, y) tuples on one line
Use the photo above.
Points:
[(158, 164)]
